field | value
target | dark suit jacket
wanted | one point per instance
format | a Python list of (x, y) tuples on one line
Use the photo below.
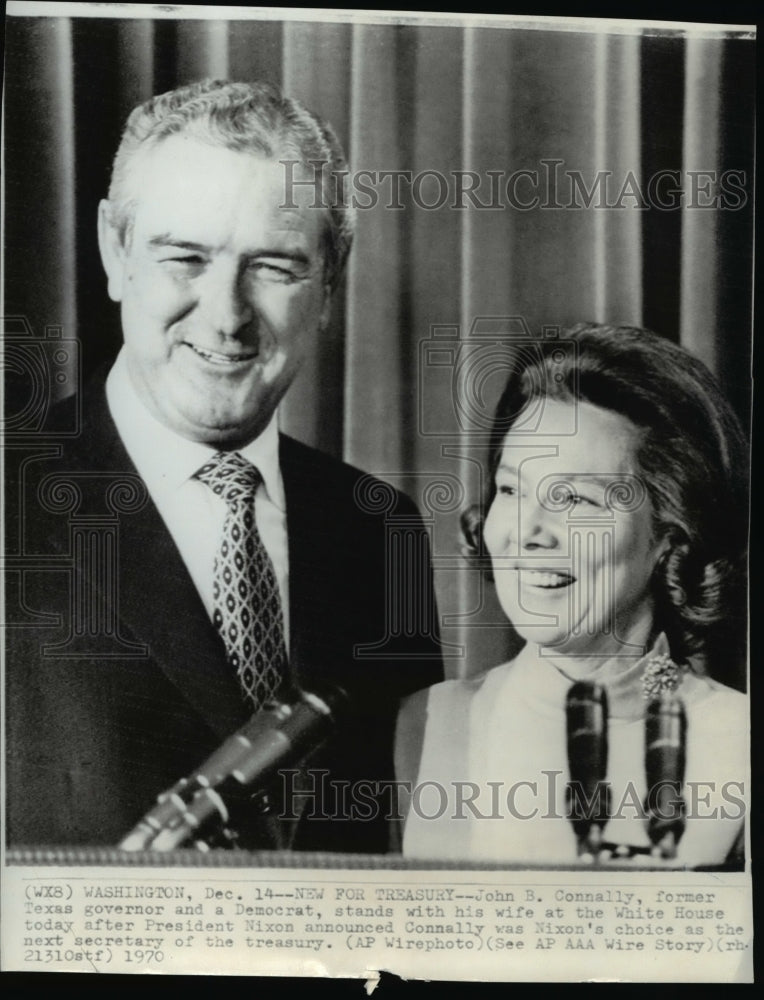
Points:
[(117, 683)]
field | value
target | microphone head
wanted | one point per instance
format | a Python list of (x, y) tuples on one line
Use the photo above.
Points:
[(586, 714), (279, 735), (588, 794), (329, 697), (665, 739), (665, 760)]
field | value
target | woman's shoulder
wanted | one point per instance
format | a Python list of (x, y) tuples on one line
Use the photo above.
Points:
[(451, 692), (416, 707), (440, 711), (702, 694), (718, 723)]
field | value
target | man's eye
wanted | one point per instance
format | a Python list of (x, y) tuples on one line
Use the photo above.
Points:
[(187, 260), (274, 272)]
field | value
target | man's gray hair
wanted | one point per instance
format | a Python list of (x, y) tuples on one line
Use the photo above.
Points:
[(244, 117)]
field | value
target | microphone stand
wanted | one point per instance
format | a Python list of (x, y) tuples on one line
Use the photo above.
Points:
[(588, 793), (207, 804), (665, 758)]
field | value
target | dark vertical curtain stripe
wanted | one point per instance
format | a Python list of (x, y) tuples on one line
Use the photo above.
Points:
[(39, 166), (436, 144), (165, 56), (735, 229), (545, 235), (135, 57), (662, 138), (406, 44), (488, 248), (255, 50), (373, 306), (619, 126), (701, 161), (316, 70), (487, 291), (99, 115)]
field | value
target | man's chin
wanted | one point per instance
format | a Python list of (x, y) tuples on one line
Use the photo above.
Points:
[(221, 431), (228, 436)]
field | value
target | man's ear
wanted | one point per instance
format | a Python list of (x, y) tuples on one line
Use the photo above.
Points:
[(112, 251)]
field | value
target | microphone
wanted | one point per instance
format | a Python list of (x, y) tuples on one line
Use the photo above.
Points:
[(172, 803), (588, 793), (278, 736), (665, 755)]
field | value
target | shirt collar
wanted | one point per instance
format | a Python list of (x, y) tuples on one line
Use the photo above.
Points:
[(166, 460)]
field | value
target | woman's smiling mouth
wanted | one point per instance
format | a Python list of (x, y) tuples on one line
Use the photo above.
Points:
[(545, 579)]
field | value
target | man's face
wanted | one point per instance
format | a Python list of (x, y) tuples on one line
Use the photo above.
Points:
[(221, 289)]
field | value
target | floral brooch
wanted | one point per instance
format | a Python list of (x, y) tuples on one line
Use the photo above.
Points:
[(661, 675)]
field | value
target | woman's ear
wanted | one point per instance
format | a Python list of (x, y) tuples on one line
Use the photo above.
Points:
[(326, 308), (664, 550), (112, 249), (664, 543)]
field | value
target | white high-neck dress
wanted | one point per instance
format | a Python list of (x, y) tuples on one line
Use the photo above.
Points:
[(489, 783)]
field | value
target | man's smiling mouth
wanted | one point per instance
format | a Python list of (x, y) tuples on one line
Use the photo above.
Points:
[(215, 358)]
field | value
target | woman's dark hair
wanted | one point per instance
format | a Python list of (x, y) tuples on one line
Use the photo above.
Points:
[(692, 455)]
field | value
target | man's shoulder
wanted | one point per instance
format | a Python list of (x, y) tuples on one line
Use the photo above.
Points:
[(65, 416), (312, 459), (81, 422), (326, 474)]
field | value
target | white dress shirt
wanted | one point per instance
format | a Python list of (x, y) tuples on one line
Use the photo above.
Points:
[(194, 515)]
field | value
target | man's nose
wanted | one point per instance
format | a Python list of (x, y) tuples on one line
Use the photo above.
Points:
[(226, 305)]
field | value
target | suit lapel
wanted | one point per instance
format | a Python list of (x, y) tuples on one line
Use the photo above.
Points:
[(158, 602), (172, 620), (310, 600), (310, 597)]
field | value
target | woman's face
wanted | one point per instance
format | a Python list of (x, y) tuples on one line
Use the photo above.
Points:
[(570, 533)]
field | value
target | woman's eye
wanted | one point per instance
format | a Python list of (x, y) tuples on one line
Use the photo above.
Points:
[(576, 499), (506, 490)]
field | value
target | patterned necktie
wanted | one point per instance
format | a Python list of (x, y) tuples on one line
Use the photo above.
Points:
[(247, 604)]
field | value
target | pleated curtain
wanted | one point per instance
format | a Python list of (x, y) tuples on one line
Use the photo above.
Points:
[(436, 101)]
